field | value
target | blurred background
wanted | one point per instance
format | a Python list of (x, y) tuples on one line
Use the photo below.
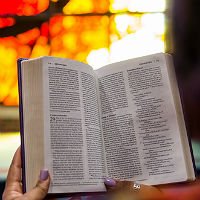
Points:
[(97, 32)]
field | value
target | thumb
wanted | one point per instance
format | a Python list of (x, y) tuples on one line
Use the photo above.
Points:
[(40, 190)]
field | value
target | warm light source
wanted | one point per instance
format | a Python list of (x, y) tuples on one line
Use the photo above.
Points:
[(102, 55), (138, 5), (7, 21), (97, 32), (86, 6), (146, 5), (23, 7)]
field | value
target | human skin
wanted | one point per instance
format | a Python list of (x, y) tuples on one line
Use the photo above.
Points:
[(13, 188), (180, 191), (116, 189)]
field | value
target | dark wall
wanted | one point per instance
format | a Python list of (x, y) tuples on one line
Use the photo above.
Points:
[(186, 41), (2, 185)]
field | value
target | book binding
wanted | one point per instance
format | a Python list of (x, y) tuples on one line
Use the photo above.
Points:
[(21, 122)]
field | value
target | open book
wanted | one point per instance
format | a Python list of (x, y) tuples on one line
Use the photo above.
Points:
[(123, 121)]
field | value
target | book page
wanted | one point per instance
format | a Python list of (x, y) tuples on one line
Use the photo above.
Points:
[(72, 127), (139, 121)]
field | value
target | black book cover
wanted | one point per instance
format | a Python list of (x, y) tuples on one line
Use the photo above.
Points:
[(21, 119)]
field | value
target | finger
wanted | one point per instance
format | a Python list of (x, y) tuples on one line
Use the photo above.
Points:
[(14, 173), (41, 189), (114, 184), (119, 190), (110, 183)]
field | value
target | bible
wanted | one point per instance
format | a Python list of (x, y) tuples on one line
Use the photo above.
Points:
[(122, 121)]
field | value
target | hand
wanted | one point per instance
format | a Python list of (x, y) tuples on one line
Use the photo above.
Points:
[(124, 190), (127, 190), (13, 188)]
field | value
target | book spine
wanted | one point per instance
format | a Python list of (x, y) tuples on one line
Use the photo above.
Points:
[(21, 119)]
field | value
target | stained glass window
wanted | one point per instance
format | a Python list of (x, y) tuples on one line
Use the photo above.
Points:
[(93, 31)]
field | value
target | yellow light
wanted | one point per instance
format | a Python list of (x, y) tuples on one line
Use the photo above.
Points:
[(135, 45), (4, 92), (70, 41), (60, 54), (102, 55), (12, 98), (69, 22), (118, 5), (138, 5), (8, 75), (10, 54), (154, 23), (147, 5), (136, 35), (77, 6), (41, 48), (86, 36), (122, 22), (81, 56)]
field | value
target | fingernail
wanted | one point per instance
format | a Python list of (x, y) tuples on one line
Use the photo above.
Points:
[(44, 173), (110, 182)]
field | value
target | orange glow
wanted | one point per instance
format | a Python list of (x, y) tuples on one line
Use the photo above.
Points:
[(29, 37), (76, 6), (82, 30), (13, 48), (86, 6), (137, 5), (41, 47), (24, 51), (55, 24), (23, 7), (8, 21), (77, 36), (13, 98), (8, 71), (42, 5)]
